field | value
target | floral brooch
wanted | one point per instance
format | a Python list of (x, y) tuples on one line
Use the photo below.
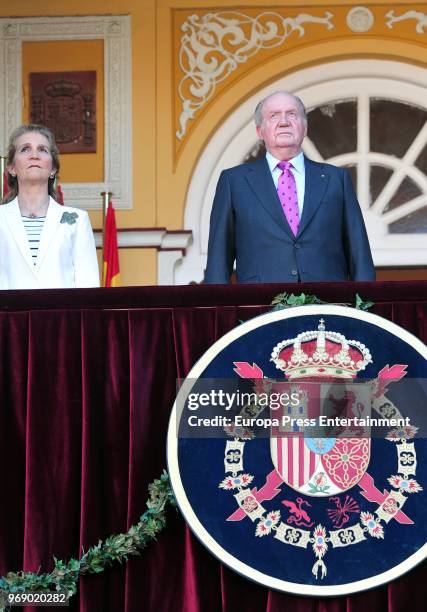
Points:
[(69, 218)]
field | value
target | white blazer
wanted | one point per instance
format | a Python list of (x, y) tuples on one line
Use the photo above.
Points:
[(66, 255)]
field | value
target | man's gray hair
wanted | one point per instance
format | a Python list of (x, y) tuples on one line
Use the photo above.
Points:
[(258, 110)]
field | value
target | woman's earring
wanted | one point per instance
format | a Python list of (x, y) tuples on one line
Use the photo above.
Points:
[(52, 175), (12, 173)]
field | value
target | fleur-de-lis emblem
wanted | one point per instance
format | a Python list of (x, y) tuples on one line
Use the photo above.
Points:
[(69, 218)]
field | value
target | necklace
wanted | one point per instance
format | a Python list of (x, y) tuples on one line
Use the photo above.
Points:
[(32, 215), (41, 212)]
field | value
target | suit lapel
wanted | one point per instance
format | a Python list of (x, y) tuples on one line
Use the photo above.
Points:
[(49, 231), (261, 182), (17, 231), (316, 181)]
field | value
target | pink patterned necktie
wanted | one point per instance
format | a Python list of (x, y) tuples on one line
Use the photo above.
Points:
[(287, 192)]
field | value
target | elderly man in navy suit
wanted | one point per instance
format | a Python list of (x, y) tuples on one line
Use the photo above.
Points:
[(285, 218)]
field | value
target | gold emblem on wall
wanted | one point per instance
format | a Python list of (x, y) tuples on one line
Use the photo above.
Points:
[(66, 103)]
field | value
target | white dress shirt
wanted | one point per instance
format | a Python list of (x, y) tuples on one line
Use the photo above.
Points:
[(298, 171)]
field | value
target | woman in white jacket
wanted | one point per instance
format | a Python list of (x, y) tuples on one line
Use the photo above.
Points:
[(42, 244)]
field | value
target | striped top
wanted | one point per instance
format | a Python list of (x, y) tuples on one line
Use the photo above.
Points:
[(33, 227)]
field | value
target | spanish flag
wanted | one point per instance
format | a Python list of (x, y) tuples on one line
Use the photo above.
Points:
[(59, 195), (111, 272)]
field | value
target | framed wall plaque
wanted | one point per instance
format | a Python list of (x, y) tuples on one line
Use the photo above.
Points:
[(65, 102)]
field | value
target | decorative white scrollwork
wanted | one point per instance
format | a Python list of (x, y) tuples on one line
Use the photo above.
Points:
[(213, 45), (420, 18)]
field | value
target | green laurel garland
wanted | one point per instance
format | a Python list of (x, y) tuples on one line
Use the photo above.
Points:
[(65, 575), (287, 300)]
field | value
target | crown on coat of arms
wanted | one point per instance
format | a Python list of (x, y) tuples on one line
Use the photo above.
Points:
[(62, 88), (320, 353)]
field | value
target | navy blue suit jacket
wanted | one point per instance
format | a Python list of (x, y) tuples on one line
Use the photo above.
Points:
[(248, 226)]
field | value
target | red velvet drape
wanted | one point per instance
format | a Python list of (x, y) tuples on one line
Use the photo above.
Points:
[(87, 381)]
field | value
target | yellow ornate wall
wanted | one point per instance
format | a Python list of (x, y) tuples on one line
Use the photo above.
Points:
[(193, 63)]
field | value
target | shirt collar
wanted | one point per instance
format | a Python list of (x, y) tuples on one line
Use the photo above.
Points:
[(297, 162)]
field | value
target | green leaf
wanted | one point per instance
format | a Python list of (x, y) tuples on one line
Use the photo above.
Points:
[(280, 298), (361, 304), (286, 300)]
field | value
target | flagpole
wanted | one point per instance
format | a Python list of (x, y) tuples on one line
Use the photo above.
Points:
[(106, 197), (3, 160)]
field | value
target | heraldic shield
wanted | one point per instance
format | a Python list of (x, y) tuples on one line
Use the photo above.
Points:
[(302, 464), (336, 459)]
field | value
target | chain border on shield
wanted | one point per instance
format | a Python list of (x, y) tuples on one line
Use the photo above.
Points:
[(319, 537)]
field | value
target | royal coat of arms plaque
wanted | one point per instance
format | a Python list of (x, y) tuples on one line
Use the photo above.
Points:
[(297, 450)]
